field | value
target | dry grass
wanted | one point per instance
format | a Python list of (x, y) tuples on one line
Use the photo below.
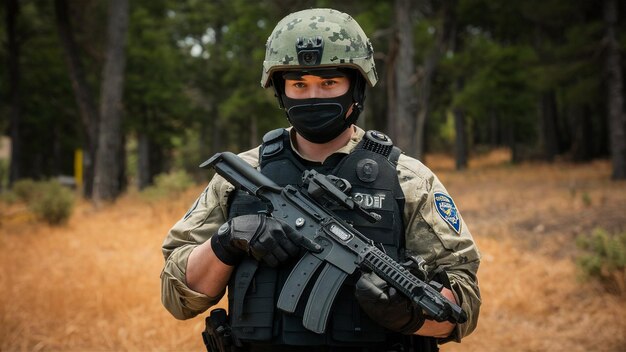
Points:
[(94, 283)]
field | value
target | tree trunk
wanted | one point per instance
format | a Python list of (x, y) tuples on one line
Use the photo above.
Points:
[(254, 134), (403, 123), (549, 129), (82, 92), (145, 151), (143, 161), (442, 42), (613, 72), (582, 134), (460, 126), (217, 142), (495, 132), (212, 134), (121, 172), (390, 83), (512, 142), (460, 129), (13, 65), (108, 163), (150, 159)]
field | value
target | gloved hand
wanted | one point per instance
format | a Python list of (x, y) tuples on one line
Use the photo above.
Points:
[(264, 238), (386, 306)]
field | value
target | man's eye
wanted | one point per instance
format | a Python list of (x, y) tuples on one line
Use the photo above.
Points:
[(299, 85), (329, 83)]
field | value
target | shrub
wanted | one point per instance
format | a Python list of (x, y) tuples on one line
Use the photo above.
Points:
[(604, 258), (54, 203), (4, 173), (168, 184), (25, 190), (586, 199), (49, 201)]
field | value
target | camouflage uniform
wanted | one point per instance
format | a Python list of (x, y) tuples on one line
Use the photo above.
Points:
[(314, 39), (428, 234)]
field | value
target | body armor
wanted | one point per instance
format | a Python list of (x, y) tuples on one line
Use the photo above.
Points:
[(254, 287)]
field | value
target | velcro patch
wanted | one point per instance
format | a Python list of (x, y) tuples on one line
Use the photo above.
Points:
[(193, 207), (446, 208)]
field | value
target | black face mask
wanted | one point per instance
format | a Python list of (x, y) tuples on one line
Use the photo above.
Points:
[(320, 120)]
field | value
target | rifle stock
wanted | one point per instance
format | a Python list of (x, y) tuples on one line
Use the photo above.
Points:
[(239, 173)]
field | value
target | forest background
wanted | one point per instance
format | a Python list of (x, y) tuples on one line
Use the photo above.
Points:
[(517, 105), (149, 86)]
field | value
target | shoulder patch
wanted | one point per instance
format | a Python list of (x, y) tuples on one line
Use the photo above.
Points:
[(193, 207), (195, 204), (447, 210)]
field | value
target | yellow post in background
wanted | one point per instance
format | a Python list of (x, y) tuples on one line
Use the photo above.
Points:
[(78, 168)]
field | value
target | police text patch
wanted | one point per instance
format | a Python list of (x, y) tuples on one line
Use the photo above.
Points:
[(446, 208)]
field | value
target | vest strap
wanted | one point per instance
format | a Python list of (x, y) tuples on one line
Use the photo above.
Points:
[(245, 275)]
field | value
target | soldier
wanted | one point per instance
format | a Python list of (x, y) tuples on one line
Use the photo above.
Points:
[(319, 61)]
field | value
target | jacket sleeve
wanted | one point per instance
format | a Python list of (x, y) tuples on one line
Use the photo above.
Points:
[(436, 232), (199, 223)]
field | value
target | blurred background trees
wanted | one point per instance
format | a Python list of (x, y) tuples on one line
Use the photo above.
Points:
[(543, 78)]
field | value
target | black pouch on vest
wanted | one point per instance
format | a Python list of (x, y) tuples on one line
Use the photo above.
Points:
[(250, 318), (350, 323), (252, 287)]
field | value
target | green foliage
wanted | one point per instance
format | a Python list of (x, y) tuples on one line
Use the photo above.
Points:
[(189, 153), (604, 258), (498, 83), (54, 202), (168, 184), (25, 190), (49, 201), (378, 15), (156, 104), (49, 124), (574, 68), (446, 132), (497, 72), (193, 69), (586, 199), (4, 174)]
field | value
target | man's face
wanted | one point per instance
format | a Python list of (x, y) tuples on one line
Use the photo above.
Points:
[(319, 102), (309, 86)]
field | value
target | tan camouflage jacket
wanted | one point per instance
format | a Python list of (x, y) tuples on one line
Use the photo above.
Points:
[(428, 234)]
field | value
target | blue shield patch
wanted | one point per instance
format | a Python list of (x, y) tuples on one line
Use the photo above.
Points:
[(446, 208)]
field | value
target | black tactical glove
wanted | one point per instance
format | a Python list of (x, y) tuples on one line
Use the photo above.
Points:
[(386, 306), (264, 238)]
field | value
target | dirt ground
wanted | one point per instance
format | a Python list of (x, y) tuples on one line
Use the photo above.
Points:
[(93, 284)]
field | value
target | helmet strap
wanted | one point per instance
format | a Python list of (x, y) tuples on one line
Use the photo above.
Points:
[(278, 83), (359, 90)]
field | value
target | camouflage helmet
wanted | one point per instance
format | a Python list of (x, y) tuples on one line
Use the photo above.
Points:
[(318, 38)]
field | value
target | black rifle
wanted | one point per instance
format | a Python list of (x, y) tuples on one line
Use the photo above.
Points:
[(343, 248)]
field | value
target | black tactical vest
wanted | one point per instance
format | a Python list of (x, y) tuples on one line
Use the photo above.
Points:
[(254, 288)]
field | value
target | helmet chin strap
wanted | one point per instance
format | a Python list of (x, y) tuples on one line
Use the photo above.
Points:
[(278, 83), (358, 95), (354, 115)]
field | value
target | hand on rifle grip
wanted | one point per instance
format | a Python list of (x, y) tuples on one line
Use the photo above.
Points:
[(264, 238)]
